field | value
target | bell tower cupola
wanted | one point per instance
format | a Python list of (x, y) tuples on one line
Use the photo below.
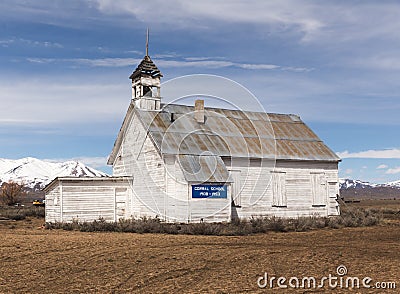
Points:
[(146, 82)]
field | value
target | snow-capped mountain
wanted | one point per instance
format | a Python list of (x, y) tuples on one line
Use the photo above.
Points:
[(395, 184), (36, 173), (355, 184), (356, 189)]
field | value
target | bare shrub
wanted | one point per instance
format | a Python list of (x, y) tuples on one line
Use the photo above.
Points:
[(335, 222), (259, 225), (306, 223), (11, 193), (38, 212), (360, 217), (277, 224), (202, 229), (17, 216), (353, 217)]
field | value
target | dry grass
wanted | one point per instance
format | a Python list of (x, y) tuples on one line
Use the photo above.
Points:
[(20, 213), (55, 261)]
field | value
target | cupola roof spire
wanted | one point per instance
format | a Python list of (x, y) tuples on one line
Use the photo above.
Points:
[(146, 66), (147, 42)]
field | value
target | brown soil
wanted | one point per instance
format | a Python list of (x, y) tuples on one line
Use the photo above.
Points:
[(36, 260)]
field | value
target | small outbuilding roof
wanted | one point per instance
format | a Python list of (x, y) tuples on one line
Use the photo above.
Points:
[(70, 179)]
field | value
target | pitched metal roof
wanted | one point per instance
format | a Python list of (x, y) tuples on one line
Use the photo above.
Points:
[(204, 168), (147, 68), (233, 133)]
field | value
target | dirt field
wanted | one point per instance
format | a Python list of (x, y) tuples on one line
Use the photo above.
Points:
[(35, 260)]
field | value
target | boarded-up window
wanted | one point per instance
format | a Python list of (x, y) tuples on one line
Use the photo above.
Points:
[(333, 189), (279, 189), (333, 205), (120, 202), (319, 190)]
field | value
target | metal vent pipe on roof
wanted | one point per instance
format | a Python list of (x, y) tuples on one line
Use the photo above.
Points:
[(199, 113)]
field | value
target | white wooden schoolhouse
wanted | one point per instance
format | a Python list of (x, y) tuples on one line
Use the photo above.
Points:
[(195, 163)]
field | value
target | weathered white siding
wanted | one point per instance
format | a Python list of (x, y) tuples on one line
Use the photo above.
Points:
[(85, 199), (87, 202), (177, 189), (301, 188), (53, 206), (132, 142), (139, 160), (148, 182)]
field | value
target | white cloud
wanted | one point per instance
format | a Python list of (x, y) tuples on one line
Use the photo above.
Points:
[(136, 52), (334, 22), (27, 42), (281, 15), (392, 171), (330, 21), (72, 13), (348, 171), (101, 62), (200, 58), (381, 62), (106, 62), (382, 166), (214, 64), (47, 44), (168, 63), (388, 153), (51, 102), (41, 60), (6, 43)]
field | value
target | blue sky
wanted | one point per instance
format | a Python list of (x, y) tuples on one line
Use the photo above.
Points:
[(64, 68)]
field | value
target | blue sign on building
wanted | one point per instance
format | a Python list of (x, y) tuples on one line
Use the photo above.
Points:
[(209, 191)]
